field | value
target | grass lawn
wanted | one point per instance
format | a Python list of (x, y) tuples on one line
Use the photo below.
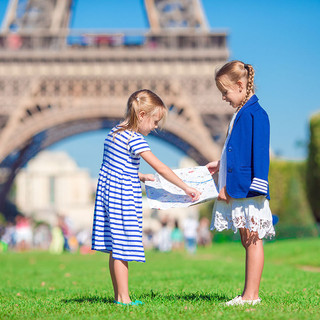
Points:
[(37, 285)]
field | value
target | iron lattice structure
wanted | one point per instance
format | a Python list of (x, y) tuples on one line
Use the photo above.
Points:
[(55, 82)]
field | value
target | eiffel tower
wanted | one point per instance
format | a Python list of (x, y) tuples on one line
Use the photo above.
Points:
[(55, 82)]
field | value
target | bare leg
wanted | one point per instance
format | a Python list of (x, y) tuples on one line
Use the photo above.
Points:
[(119, 272), (113, 277), (254, 263)]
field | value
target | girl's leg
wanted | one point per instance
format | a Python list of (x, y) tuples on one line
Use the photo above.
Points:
[(254, 263), (120, 278), (112, 274)]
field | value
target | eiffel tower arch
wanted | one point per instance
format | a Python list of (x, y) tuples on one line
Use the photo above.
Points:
[(55, 83)]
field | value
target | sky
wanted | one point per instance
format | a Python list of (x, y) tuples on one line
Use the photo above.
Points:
[(280, 38)]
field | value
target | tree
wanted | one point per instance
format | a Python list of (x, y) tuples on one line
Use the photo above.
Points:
[(313, 166)]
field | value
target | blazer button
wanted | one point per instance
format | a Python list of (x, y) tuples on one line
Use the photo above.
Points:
[(230, 149), (229, 170)]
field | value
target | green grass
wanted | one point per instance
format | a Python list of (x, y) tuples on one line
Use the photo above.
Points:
[(37, 285)]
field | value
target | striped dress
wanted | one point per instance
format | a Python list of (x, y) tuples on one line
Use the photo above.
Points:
[(117, 223)]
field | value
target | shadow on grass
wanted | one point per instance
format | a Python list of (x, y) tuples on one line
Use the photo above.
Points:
[(184, 296), (90, 299), (154, 296)]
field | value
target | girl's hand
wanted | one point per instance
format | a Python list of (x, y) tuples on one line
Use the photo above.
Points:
[(193, 193), (223, 195), (146, 177), (213, 167), (168, 174)]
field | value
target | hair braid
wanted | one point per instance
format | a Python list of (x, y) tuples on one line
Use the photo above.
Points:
[(250, 84)]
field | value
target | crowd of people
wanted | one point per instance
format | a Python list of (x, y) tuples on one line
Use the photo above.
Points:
[(171, 236), (25, 234)]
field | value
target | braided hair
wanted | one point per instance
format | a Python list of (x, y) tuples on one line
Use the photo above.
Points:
[(250, 83), (237, 70)]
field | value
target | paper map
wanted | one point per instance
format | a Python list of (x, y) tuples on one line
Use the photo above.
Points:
[(162, 194)]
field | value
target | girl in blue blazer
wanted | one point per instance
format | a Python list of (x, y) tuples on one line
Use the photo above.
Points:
[(243, 201)]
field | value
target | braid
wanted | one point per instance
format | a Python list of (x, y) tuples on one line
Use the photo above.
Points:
[(250, 83)]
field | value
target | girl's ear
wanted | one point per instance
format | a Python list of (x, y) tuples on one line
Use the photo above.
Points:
[(141, 115), (240, 85)]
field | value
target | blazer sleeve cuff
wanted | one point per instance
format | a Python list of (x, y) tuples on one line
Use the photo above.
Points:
[(259, 185)]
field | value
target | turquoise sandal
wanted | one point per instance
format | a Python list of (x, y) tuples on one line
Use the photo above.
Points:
[(132, 303)]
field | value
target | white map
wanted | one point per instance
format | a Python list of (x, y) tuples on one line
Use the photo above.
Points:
[(162, 194)]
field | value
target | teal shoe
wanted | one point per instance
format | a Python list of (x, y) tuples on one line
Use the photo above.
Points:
[(132, 303)]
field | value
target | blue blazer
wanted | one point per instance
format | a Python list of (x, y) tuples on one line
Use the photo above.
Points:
[(248, 152)]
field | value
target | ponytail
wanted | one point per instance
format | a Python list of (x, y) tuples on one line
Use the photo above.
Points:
[(141, 100)]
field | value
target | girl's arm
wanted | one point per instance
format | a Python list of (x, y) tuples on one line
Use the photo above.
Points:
[(260, 152), (168, 174), (223, 195), (213, 166)]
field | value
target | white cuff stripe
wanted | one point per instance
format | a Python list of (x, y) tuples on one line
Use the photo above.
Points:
[(258, 189), (260, 181), (259, 185)]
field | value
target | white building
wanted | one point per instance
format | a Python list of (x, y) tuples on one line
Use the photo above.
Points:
[(53, 184)]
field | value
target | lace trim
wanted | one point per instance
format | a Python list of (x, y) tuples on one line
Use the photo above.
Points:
[(264, 227)]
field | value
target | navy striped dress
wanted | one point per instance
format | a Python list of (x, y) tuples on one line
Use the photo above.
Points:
[(117, 223)]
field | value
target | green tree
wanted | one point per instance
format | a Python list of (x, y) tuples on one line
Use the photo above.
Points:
[(313, 166), (289, 200)]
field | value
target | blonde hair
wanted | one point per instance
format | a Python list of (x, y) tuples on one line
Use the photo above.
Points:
[(142, 100), (236, 70)]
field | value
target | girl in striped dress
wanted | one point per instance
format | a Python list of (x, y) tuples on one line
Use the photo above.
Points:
[(117, 224)]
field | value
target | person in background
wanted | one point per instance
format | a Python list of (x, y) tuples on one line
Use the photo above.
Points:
[(57, 240), (24, 236), (176, 237), (164, 237), (9, 236), (204, 235), (190, 232)]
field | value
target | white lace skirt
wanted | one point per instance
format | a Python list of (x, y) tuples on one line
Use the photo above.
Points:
[(253, 214)]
